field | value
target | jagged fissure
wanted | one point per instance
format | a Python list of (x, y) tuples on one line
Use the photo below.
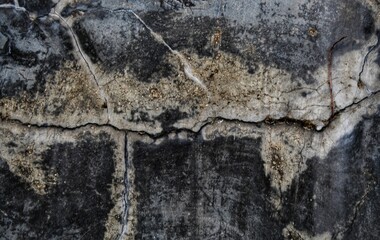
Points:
[(209, 121)]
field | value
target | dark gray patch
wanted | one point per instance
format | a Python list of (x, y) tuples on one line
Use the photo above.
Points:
[(328, 195), (74, 8), (42, 7), (140, 116), (130, 45), (75, 208), (86, 42), (177, 4), (34, 49), (377, 61), (365, 225), (191, 33), (28, 59), (12, 89), (196, 189), (276, 43), (11, 144), (4, 46), (169, 117), (368, 25), (146, 58), (252, 69)]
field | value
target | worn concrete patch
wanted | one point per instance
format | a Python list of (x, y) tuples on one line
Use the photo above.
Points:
[(194, 188), (60, 184)]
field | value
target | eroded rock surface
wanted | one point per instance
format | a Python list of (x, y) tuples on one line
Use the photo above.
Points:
[(189, 119), (60, 184)]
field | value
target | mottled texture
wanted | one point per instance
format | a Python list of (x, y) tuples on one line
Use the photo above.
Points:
[(340, 193), (56, 188), (189, 119), (255, 60), (214, 185), (202, 190)]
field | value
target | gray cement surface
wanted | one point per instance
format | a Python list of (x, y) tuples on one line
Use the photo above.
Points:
[(189, 119)]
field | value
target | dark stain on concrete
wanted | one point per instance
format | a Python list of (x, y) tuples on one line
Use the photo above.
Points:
[(31, 50), (197, 189), (41, 7), (131, 45), (328, 195), (170, 117), (276, 43), (191, 33), (138, 116), (86, 42), (76, 207)]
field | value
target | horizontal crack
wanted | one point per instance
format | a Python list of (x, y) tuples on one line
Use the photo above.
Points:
[(209, 121)]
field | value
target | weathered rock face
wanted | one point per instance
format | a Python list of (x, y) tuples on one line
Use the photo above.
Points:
[(189, 119), (58, 184)]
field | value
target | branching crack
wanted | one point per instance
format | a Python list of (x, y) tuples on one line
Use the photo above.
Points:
[(370, 49), (189, 73)]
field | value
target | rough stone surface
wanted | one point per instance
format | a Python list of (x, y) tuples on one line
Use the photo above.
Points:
[(60, 184), (133, 61), (189, 119), (244, 181)]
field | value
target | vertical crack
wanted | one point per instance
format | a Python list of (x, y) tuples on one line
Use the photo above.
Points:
[(329, 73), (87, 62), (370, 49), (124, 220)]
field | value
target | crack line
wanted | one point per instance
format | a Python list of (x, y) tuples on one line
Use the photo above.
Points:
[(186, 66), (355, 212), (127, 188), (370, 49), (209, 121), (329, 72), (83, 56)]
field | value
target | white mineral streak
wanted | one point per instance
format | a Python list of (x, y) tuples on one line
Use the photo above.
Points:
[(186, 66), (88, 63), (15, 6)]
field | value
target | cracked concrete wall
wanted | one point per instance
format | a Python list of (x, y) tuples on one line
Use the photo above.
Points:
[(189, 119)]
